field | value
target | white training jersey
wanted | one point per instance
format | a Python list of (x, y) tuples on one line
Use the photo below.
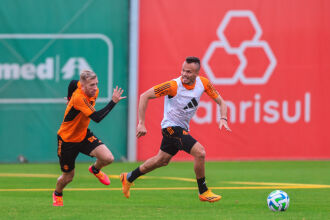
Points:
[(181, 102)]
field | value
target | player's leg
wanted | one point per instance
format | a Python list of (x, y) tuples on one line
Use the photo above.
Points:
[(103, 156), (198, 152), (67, 153), (191, 146), (94, 147), (161, 159), (64, 180), (167, 150)]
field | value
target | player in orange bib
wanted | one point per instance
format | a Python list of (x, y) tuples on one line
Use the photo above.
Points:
[(74, 137), (182, 96)]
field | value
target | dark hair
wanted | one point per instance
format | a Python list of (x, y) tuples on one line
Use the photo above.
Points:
[(71, 88), (194, 60)]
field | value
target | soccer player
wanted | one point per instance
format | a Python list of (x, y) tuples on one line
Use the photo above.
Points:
[(74, 137), (182, 96)]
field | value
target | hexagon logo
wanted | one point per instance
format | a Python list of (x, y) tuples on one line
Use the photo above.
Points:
[(239, 52)]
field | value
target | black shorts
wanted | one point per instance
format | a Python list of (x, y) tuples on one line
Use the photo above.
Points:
[(67, 152), (175, 139)]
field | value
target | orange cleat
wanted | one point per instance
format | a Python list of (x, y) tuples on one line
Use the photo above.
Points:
[(126, 184), (103, 178), (57, 200), (209, 196)]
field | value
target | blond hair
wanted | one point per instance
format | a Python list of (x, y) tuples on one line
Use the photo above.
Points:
[(87, 75)]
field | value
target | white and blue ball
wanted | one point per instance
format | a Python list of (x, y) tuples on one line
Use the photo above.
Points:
[(278, 201)]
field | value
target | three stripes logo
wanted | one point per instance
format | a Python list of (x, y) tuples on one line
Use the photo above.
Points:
[(89, 105), (192, 104), (59, 147), (162, 89), (170, 130)]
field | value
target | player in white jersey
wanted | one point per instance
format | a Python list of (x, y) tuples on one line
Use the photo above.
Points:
[(182, 96)]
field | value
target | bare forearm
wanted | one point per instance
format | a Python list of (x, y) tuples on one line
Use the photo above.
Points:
[(223, 113), (223, 106), (143, 103), (142, 108), (144, 98), (223, 110)]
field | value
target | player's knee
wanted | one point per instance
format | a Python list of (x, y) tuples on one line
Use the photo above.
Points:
[(163, 162), (109, 159), (201, 154), (68, 178)]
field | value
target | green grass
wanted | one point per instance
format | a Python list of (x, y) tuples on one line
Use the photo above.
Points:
[(168, 204)]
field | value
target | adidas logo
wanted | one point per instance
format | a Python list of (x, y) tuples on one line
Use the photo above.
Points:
[(193, 103)]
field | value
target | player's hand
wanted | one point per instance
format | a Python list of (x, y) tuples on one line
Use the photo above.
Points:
[(223, 123), (116, 95), (141, 130)]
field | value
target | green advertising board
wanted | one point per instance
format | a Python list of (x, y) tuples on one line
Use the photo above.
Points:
[(43, 46)]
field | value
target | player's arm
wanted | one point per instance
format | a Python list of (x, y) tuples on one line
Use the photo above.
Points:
[(97, 116), (223, 112), (167, 88), (143, 103), (213, 93)]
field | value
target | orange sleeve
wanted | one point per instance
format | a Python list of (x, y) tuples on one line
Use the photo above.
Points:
[(80, 103), (166, 88), (209, 89)]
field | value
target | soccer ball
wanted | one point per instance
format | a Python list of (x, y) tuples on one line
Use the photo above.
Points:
[(278, 201)]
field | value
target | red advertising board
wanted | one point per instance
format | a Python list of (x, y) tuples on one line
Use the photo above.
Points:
[(270, 60)]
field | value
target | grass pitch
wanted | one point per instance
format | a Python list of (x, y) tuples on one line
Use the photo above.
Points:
[(169, 192)]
